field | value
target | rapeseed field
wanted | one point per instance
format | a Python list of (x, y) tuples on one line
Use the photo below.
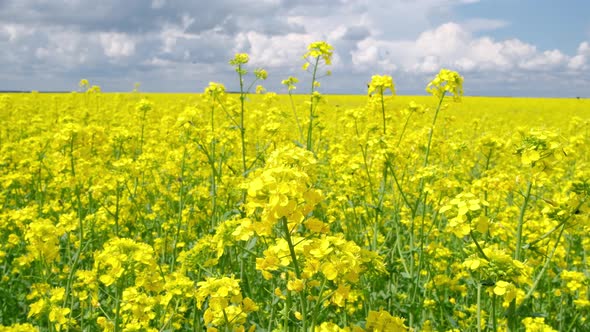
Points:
[(255, 211)]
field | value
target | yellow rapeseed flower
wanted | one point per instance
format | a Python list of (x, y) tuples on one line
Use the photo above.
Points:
[(379, 84), (320, 50), (446, 82)]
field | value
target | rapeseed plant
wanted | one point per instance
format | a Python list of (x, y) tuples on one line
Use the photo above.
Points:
[(378, 85), (316, 51)]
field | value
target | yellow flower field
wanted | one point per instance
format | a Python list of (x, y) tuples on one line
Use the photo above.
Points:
[(241, 212)]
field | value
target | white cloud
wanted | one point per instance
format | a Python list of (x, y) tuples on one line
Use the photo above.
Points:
[(273, 51), (452, 45), (514, 48), (116, 45), (284, 50), (445, 41), (65, 47), (577, 62), (157, 4), (545, 61), (158, 62), (484, 24), (580, 61), (169, 36), (15, 31), (397, 19), (324, 27)]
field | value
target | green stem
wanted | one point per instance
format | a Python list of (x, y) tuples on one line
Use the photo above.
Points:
[(225, 319), (317, 305), (383, 112), (399, 188), (311, 105), (291, 247), (229, 116), (546, 235), (517, 254), (482, 253), (287, 310), (431, 133), (296, 268), (213, 171), (142, 133), (494, 321), (117, 207), (72, 160), (485, 194), (117, 307), (251, 85), (479, 307), (421, 198), (404, 128), (542, 272), (295, 115), (180, 208), (512, 310), (242, 127), (571, 326), (427, 154)]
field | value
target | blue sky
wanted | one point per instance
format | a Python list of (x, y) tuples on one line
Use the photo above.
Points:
[(501, 47), (547, 24)]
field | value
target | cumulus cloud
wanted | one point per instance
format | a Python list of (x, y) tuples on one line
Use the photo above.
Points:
[(452, 45), (580, 61), (273, 51), (117, 45)]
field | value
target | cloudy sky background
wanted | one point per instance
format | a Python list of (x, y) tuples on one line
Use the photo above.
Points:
[(501, 47)]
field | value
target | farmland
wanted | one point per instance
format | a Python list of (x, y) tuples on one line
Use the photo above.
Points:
[(257, 211)]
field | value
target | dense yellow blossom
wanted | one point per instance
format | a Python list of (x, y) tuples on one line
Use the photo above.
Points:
[(213, 212)]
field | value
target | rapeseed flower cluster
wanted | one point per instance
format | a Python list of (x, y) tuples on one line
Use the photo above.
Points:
[(225, 304), (379, 84), (319, 50), (468, 217), (446, 82)]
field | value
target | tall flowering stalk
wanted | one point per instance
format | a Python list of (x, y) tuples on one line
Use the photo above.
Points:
[(379, 84), (143, 107), (290, 84), (316, 52), (239, 60), (446, 82)]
